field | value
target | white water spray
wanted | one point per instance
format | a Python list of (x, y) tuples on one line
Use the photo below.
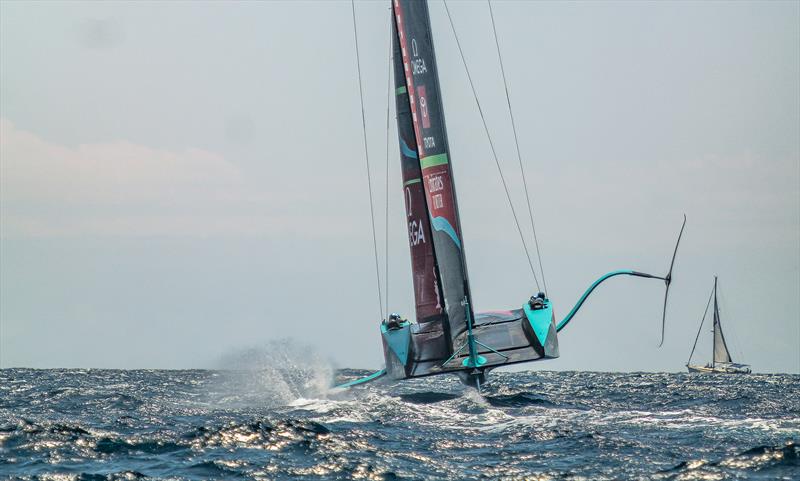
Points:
[(273, 374)]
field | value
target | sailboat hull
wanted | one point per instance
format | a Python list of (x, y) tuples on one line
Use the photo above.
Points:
[(502, 338), (721, 356), (722, 369)]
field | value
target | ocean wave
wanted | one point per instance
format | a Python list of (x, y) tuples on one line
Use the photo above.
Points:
[(760, 462), (94, 424)]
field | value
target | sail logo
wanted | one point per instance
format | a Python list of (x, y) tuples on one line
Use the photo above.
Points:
[(418, 66), (423, 107), (416, 233), (435, 183), (408, 202)]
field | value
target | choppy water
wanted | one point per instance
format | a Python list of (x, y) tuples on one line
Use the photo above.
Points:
[(104, 424)]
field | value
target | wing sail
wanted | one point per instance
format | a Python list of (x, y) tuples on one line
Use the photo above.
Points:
[(419, 73), (427, 289)]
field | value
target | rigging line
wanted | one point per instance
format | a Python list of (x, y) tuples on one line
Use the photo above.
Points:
[(701, 327), (366, 156), (516, 144), (491, 145), (386, 207)]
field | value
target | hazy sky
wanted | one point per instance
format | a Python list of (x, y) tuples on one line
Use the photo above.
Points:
[(184, 180)]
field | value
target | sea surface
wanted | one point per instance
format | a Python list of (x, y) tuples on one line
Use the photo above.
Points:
[(268, 424)]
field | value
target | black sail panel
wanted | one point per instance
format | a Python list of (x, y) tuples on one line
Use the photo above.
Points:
[(427, 295), (422, 84), (429, 341)]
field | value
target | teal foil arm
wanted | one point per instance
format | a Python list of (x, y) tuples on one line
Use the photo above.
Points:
[(363, 380), (667, 280), (594, 285)]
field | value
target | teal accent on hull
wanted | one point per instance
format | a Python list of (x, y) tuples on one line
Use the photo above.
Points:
[(398, 340), (480, 361), (406, 150), (363, 380), (596, 283), (443, 225), (540, 320)]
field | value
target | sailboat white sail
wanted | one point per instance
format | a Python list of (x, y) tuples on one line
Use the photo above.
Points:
[(721, 353)]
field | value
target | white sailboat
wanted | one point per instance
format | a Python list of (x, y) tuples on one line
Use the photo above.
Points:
[(721, 361)]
